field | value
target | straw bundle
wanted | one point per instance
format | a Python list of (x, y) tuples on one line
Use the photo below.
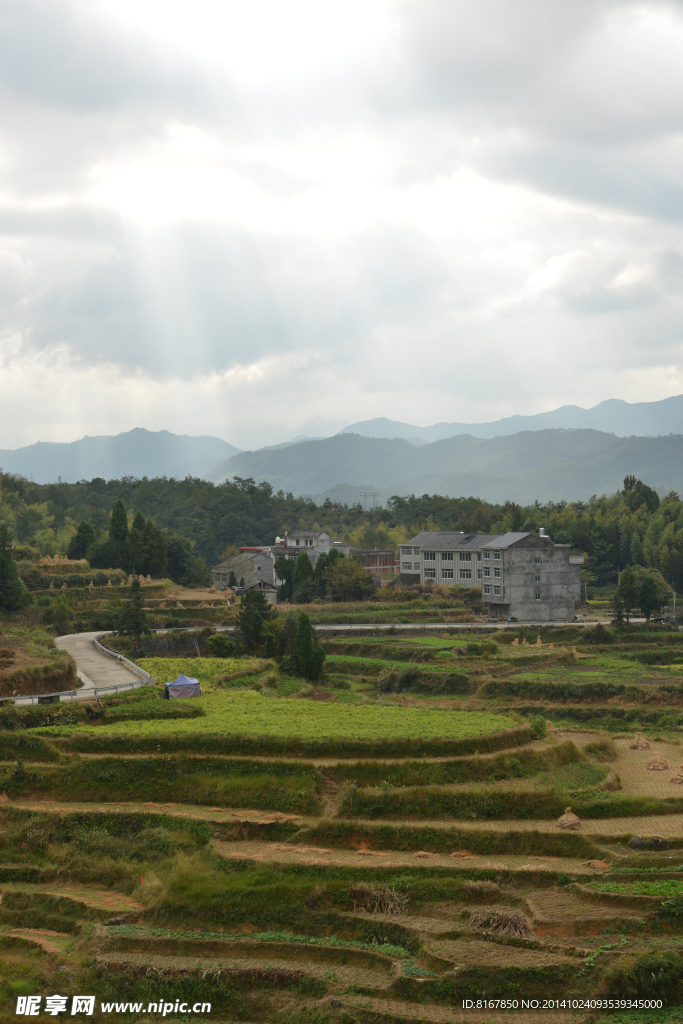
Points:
[(677, 777), (640, 743), (657, 764), (569, 821)]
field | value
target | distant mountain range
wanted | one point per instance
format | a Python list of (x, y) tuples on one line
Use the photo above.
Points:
[(543, 464), (136, 452), (568, 453), (612, 416)]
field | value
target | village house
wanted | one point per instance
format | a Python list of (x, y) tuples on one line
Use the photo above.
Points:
[(521, 575)]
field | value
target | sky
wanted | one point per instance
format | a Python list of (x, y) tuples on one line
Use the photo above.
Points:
[(266, 219)]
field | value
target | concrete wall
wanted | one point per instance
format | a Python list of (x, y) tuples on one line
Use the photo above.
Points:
[(559, 585)]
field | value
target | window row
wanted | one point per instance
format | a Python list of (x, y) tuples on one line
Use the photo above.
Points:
[(496, 590)]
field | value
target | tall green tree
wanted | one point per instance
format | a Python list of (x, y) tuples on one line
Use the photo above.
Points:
[(284, 570), (648, 598), (12, 593), (133, 618), (349, 580), (255, 611), (118, 524), (628, 591), (156, 550), (118, 535), (81, 540), (310, 656), (303, 569), (136, 548)]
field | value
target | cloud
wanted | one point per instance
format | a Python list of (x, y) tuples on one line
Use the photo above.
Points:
[(247, 218)]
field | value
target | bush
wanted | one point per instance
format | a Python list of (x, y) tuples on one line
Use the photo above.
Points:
[(220, 646), (597, 635), (603, 749), (656, 974)]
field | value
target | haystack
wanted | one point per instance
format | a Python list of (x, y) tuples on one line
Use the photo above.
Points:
[(550, 728), (500, 922), (569, 821), (677, 777), (640, 743), (657, 764)]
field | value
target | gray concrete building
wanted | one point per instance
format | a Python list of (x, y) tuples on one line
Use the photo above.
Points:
[(521, 575)]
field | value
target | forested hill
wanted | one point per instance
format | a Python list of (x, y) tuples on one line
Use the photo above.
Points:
[(543, 465), (632, 526), (136, 452)]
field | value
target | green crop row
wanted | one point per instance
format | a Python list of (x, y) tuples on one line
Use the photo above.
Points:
[(518, 764), (482, 804), (221, 783)]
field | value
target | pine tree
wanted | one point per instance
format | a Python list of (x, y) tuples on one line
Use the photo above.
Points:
[(310, 656), (118, 524), (255, 610), (81, 541), (304, 642), (156, 549), (118, 535)]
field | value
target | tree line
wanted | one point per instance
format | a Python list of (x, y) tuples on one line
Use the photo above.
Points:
[(199, 519)]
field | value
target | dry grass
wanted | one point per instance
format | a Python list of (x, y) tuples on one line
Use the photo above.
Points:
[(500, 922)]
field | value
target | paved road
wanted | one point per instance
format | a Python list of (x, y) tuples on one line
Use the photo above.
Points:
[(94, 669)]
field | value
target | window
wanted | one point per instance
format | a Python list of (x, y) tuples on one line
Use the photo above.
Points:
[(446, 574), (478, 574), (465, 574), (430, 574), (537, 579), (538, 595), (465, 556), (406, 551), (487, 571), (407, 566), (497, 590), (537, 561), (479, 556), (487, 590), (487, 554), (496, 555), (446, 556), (259, 568), (496, 573), (429, 556)]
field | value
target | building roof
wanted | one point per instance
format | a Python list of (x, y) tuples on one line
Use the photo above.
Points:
[(507, 540), (308, 534), (442, 541)]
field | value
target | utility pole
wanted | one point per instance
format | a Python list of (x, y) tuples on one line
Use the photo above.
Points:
[(369, 494)]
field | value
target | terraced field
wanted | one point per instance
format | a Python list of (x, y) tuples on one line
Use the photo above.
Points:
[(358, 855)]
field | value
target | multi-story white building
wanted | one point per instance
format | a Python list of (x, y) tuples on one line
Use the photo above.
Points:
[(520, 574)]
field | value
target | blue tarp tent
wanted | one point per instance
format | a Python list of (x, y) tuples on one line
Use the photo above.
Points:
[(183, 686)]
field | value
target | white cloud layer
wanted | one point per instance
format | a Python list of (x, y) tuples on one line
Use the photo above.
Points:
[(242, 219)]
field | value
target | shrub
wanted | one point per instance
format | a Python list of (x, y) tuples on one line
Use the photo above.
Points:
[(597, 635), (603, 749), (220, 646), (658, 973), (539, 727)]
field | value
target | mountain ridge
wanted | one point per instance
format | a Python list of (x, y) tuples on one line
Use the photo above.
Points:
[(548, 465), (614, 415), (137, 452)]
